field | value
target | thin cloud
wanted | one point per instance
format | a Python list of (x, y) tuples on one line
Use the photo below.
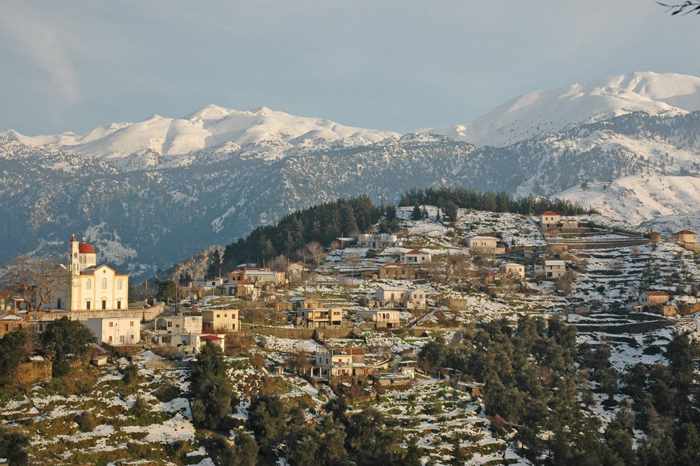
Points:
[(45, 44)]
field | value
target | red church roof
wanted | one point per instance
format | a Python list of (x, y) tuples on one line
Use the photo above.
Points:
[(211, 338), (549, 213), (86, 248)]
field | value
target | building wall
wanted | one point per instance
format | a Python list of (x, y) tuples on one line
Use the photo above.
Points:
[(184, 324), (102, 290), (221, 320), (116, 331)]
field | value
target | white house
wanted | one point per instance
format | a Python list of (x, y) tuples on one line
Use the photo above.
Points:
[(415, 257), (376, 241), (178, 324), (115, 331), (554, 269), (91, 286)]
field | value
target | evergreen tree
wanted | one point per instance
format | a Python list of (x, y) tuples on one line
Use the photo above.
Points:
[(12, 352), (416, 214), (63, 338), (348, 223)]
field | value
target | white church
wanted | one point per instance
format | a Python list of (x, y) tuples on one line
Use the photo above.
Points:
[(92, 287)]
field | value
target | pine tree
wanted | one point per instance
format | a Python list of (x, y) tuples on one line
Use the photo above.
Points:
[(348, 224), (416, 214)]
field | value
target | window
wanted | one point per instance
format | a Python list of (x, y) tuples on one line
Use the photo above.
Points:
[(121, 339), (119, 285), (131, 323), (88, 284), (110, 338), (104, 304), (119, 304), (111, 324), (104, 283), (87, 305), (58, 303)]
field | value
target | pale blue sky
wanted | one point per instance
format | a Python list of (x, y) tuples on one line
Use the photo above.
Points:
[(399, 64)]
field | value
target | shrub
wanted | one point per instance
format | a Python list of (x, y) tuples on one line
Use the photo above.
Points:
[(140, 408), (130, 374), (86, 421), (167, 392)]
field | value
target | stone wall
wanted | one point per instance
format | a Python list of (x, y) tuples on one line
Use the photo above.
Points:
[(297, 333), (33, 371)]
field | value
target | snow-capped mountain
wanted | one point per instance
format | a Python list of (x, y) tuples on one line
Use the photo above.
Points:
[(161, 190), (268, 133), (547, 111)]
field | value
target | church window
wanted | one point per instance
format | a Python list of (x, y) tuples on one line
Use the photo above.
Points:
[(104, 283)]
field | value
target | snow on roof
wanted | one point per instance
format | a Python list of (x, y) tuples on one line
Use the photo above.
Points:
[(554, 262)]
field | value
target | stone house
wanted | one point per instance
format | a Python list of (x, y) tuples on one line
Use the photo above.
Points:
[(655, 298), (554, 269), (320, 317), (514, 270), (415, 257), (550, 219), (397, 272), (220, 320), (383, 318)]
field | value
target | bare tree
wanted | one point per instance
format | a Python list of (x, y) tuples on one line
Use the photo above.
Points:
[(37, 280), (688, 7), (279, 263), (314, 251)]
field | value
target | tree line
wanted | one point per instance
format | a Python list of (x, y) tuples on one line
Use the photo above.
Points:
[(320, 224), (450, 199)]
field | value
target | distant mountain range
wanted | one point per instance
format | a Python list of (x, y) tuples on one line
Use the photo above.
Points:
[(155, 192), (552, 110)]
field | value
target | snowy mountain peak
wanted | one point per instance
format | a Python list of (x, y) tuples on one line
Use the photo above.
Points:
[(211, 127), (552, 110)]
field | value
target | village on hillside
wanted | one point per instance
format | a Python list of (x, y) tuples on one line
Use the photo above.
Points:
[(355, 321)]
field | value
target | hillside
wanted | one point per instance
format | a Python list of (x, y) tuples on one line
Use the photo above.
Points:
[(149, 206)]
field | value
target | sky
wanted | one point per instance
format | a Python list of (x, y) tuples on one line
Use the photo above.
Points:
[(385, 64)]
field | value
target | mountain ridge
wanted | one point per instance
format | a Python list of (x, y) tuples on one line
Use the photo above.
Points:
[(147, 209)]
